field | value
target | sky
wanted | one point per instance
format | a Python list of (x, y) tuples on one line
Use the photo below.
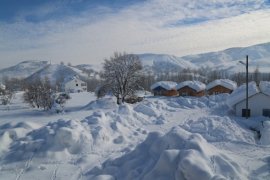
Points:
[(88, 31)]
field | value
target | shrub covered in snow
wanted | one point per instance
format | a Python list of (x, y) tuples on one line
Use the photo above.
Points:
[(60, 101)]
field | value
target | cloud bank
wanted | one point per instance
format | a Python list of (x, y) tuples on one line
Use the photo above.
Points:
[(177, 27)]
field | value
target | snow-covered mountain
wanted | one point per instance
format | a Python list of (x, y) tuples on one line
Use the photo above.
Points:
[(56, 72), (164, 63), (227, 60), (23, 69)]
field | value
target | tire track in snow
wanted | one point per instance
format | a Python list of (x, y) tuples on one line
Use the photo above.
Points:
[(26, 166), (54, 174)]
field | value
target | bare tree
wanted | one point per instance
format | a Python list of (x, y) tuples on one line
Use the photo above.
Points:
[(257, 75), (5, 95), (120, 73), (39, 94)]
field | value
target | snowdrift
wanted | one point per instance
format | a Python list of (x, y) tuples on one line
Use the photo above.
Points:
[(218, 129), (265, 133), (11, 132), (177, 155), (64, 138)]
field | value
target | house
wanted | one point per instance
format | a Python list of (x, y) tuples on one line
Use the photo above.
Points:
[(74, 84), (221, 86), (191, 88), (164, 88), (258, 99), (2, 86)]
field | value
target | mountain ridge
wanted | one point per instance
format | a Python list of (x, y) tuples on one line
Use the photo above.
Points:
[(226, 60)]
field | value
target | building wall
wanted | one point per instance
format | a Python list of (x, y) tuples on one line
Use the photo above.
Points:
[(187, 91), (256, 104), (159, 91), (218, 90), (75, 85)]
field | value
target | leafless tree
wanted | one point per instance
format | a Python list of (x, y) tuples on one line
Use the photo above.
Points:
[(39, 94), (257, 75), (120, 73), (5, 95)]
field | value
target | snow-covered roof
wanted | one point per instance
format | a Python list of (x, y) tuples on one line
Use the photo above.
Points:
[(265, 87), (227, 83), (68, 79), (168, 85), (196, 85), (239, 94)]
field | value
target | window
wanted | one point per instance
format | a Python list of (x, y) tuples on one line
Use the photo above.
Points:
[(77, 84), (83, 84), (184, 94), (244, 112), (266, 112)]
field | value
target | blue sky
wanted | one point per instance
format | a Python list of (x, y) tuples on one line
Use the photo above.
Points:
[(10, 10), (87, 31)]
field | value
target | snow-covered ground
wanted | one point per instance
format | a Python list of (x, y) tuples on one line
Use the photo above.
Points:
[(158, 138)]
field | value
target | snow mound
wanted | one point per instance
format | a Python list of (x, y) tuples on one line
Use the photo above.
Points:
[(177, 155), (265, 133), (146, 110), (227, 83), (190, 102), (196, 85), (265, 87), (169, 85), (239, 94), (55, 140), (217, 129), (103, 103), (10, 132)]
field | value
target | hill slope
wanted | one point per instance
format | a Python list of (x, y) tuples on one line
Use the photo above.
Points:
[(227, 60), (23, 69), (56, 72)]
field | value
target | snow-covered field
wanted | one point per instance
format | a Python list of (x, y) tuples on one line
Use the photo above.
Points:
[(158, 138)]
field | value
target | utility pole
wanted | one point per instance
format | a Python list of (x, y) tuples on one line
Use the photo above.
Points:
[(246, 64), (247, 114)]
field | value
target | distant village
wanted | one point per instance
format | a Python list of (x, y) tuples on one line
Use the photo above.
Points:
[(192, 83)]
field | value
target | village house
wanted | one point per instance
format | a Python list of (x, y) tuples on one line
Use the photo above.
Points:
[(221, 86), (74, 84), (258, 99), (191, 88), (2, 86), (164, 88)]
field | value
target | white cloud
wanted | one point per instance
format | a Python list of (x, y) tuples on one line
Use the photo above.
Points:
[(144, 27)]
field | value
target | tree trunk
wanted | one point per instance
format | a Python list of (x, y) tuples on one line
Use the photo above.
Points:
[(119, 100)]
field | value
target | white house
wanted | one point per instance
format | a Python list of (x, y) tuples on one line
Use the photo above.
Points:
[(258, 99), (2, 86), (74, 84)]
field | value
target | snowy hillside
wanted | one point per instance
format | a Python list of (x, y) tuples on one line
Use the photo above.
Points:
[(56, 72), (158, 138), (259, 55), (164, 63), (227, 60), (23, 69)]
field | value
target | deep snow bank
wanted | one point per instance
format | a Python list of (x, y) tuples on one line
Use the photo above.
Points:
[(55, 140), (265, 133), (176, 155), (64, 138), (11, 132), (217, 129)]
